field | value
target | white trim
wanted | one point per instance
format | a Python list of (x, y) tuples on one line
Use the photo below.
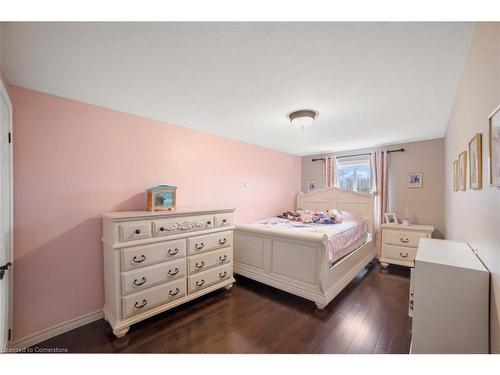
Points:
[(4, 93), (56, 330)]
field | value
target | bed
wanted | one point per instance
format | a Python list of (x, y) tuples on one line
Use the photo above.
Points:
[(300, 260)]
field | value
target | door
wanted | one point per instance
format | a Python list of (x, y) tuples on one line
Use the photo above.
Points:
[(6, 222)]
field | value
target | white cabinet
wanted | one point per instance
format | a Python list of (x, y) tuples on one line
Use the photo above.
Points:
[(450, 289), (154, 261), (400, 243)]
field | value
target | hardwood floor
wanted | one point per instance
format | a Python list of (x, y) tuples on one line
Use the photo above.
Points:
[(369, 316)]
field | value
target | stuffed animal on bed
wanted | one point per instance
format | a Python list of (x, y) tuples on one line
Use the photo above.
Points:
[(330, 216)]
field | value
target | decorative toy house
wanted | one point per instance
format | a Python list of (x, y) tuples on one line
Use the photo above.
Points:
[(161, 198)]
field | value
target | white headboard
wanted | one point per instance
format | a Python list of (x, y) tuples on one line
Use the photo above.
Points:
[(346, 200)]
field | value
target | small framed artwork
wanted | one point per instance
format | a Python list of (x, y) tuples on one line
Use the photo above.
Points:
[(390, 218), (476, 162), (415, 180), (455, 175), (462, 171), (311, 186), (494, 143)]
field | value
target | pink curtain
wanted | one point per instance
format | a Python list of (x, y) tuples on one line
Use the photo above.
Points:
[(329, 172), (380, 167)]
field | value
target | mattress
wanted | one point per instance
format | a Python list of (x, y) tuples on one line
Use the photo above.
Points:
[(340, 239)]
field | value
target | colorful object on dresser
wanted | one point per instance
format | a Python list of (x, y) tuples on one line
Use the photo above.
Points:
[(161, 198), (330, 216)]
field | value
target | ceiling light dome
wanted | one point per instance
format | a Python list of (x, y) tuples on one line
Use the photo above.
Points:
[(303, 118)]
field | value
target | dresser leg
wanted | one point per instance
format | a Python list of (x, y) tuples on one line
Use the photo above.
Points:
[(228, 287), (120, 332), (384, 265)]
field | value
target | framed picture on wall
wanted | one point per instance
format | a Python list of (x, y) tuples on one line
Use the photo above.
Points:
[(415, 180), (476, 162), (462, 171), (455, 175), (311, 186), (494, 151)]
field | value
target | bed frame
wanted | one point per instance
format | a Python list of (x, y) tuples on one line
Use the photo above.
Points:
[(299, 263)]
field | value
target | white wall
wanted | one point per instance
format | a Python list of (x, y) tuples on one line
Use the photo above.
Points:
[(426, 205), (474, 215)]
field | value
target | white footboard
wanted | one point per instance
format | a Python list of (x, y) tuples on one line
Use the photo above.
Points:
[(298, 266)]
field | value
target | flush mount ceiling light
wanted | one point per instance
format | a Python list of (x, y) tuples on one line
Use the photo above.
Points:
[(303, 118)]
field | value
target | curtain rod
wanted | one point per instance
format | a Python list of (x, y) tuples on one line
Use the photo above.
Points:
[(364, 154)]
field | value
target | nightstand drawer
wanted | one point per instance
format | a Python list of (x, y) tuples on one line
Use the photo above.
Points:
[(402, 238), (400, 253)]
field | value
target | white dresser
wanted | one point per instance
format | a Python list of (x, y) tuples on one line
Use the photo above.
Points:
[(400, 243), (154, 261), (449, 297)]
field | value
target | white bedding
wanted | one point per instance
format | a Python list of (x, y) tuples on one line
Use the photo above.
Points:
[(340, 239)]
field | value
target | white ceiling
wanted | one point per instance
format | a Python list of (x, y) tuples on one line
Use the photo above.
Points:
[(371, 83)]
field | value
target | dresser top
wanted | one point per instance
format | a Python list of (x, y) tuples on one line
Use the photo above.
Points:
[(180, 211), (456, 254), (414, 227)]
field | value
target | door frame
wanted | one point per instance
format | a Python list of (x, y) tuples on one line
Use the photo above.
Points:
[(10, 318)]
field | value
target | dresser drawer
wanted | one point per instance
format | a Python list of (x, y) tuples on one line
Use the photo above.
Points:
[(197, 263), (165, 227), (208, 242), (401, 253), (140, 256), (204, 279), (134, 231), (402, 238), (223, 220), (143, 278), (149, 298)]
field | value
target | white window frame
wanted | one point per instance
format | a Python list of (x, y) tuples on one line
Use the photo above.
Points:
[(352, 161)]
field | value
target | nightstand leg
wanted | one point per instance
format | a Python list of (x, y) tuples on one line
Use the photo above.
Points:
[(384, 265)]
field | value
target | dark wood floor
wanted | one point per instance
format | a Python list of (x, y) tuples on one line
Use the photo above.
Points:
[(369, 316)]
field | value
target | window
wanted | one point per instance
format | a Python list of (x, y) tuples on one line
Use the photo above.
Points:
[(354, 173)]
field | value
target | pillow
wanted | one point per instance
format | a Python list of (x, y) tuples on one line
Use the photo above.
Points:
[(330, 216)]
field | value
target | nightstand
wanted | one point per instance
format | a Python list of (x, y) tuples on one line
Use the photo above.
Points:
[(400, 243)]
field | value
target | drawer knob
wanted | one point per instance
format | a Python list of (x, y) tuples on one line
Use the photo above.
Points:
[(222, 274), (224, 221), (174, 293), (404, 240), (162, 229), (209, 222), (222, 242), (199, 246), (143, 280), (222, 258), (200, 282), (137, 231), (139, 260), (173, 252), (200, 265), (405, 255), (175, 272), (144, 303)]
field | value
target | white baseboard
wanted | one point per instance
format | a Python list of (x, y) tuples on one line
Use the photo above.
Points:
[(58, 329)]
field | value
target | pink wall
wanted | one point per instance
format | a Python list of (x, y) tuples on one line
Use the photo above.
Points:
[(73, 161)]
